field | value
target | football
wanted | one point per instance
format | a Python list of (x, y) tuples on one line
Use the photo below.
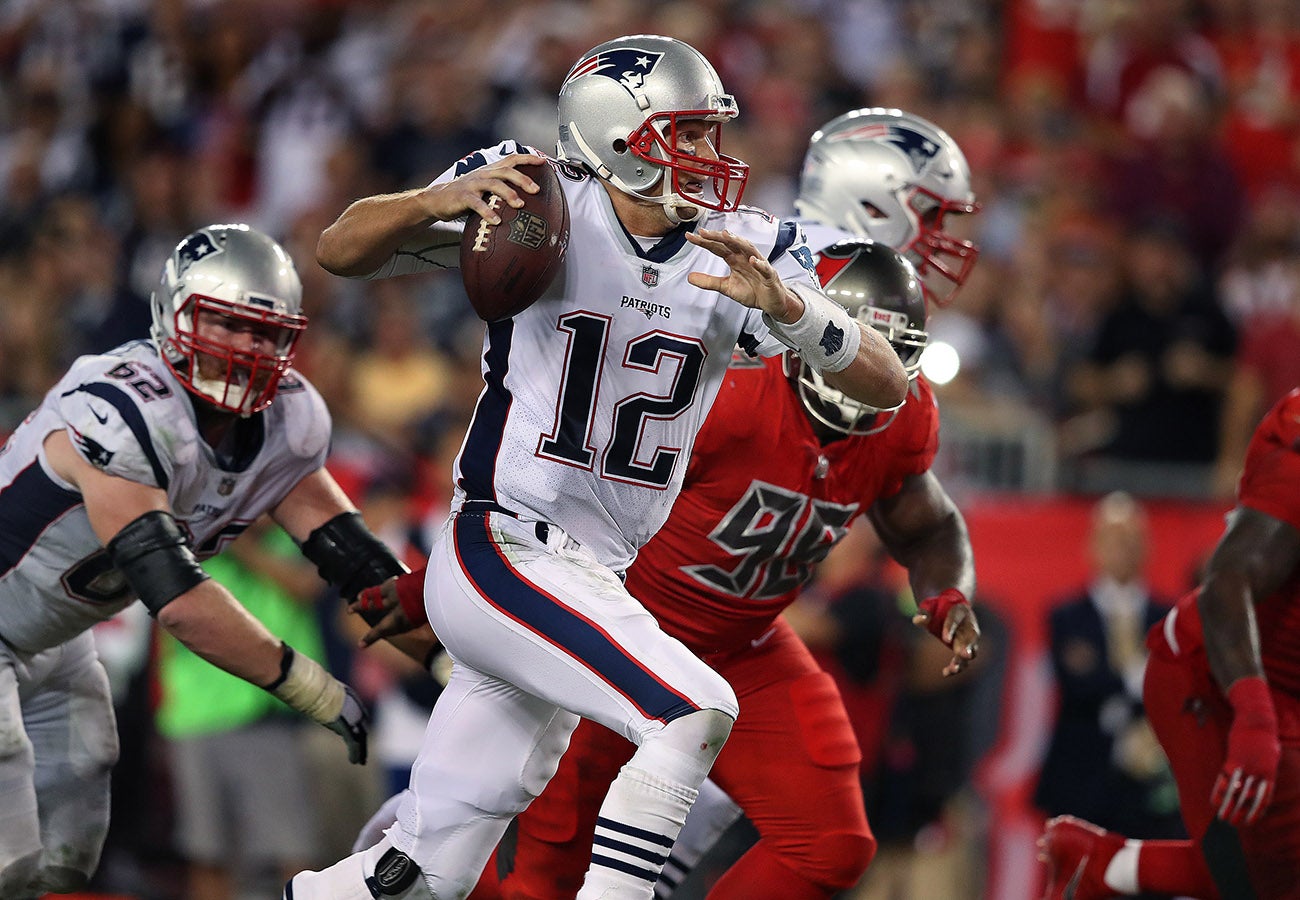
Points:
[(507, 267)]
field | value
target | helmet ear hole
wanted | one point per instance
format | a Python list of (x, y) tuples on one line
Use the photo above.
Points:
[(620, 145)]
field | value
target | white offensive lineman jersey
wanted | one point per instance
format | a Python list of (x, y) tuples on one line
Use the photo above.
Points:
[(128, 415), (594, 393)]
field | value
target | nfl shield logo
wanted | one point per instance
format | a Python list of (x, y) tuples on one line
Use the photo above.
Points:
[(649, 276), (226, 486)]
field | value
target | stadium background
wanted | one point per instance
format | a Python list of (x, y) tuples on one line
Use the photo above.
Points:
[(1123, 152)]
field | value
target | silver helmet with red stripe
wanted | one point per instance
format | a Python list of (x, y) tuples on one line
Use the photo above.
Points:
[(895, 178)]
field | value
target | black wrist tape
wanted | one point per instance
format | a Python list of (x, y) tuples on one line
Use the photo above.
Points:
[(348, 556), (154, 555), (286, 663)]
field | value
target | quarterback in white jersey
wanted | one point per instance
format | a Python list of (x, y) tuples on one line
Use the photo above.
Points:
[(577, 448), (138, 463)]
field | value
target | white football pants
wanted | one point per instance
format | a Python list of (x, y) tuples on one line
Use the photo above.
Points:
[(58, 744), (540, 633)]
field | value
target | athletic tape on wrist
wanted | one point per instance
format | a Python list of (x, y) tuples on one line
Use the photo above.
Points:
[(826, 337), (938, 607), (307, 687), (1252, 701)]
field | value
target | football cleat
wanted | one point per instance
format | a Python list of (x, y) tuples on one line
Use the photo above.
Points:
[(1077, 854), (395, 876)]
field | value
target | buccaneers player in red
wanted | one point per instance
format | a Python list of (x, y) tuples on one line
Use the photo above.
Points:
[(1222, 691)]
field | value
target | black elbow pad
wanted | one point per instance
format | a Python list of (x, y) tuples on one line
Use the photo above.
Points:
[(154, 555), (349, 556)]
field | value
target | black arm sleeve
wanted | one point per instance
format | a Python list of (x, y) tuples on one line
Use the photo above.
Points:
[(349, 557), (154, 555)]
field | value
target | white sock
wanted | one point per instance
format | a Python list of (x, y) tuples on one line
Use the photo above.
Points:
[(1122, 871), (639, 820), (713, 813)]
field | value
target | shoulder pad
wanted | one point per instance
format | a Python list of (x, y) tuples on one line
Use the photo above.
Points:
[(123, 418), (303, 416)]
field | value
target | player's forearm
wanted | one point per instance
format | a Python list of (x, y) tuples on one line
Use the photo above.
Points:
[(926, 533), (876, 376), (209, 621), (371, 230), (940, 559), (1253, 559), (418, 645), (1227, 609)]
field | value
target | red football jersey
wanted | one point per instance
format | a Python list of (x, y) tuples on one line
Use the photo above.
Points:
[(1270, 483), (763, 502)]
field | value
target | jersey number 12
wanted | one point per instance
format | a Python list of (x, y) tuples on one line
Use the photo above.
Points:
[(571, 442)]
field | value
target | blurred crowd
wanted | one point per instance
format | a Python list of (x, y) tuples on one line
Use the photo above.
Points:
[(1137, 162)]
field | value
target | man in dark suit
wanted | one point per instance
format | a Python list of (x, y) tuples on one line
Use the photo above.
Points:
[(1104, 764)]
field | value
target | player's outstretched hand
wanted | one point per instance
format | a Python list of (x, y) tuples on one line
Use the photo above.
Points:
[(752, 282), (466, 193), (351, 726), (950, 617), (399, 602), (1244, 787)]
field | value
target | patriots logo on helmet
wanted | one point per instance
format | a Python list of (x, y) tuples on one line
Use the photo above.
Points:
[(919, 149), (627, 65), (194, 248)]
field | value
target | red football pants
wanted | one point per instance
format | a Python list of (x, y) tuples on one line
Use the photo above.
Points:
[(1191, 717), (791, 763)]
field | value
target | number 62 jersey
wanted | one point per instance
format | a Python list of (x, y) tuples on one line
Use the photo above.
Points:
[(127, 415)]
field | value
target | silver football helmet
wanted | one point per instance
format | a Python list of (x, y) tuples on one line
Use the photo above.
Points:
[(892, 176), (620, 107), (880, 288), (227, 316)]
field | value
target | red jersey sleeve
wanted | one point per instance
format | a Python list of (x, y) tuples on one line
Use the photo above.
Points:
[(913, 436), (1270, 481)]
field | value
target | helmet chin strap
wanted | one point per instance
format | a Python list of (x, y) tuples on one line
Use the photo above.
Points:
[(674, 206), (677, 208), (671, 210), (670, 202)]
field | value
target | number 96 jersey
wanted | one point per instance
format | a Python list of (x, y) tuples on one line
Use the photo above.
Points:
[(764, 502), (127, 415)]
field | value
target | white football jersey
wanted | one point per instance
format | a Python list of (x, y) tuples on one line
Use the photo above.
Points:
[(127, 414), (594, 393)]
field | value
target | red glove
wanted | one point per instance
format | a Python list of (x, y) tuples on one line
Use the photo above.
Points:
[(936, 610), (406, 591), (1245, 786)]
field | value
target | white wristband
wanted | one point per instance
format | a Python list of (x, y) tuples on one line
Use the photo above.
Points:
[(309, 689), (826, 337)]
